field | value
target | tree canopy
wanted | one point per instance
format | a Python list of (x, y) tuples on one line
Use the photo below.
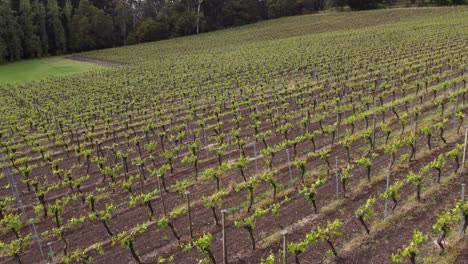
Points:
[(36, 28)]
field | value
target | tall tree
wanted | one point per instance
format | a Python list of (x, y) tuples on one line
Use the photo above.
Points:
[(103, 32), (67, 20), (91, 28), (363, 5), (41, 29), (122, 20), (279, 8), (3, 44), (57, 41), (30, 41), (10, 31), (81, 27), (3, 48)]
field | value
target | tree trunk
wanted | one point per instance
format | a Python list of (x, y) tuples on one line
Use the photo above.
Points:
[(134, 254), (250, 230), (413, 151), (418, 192), (429, 141), (44, 207), (442, 135), (368, 173), (107, 228), (332, 247), (215, 217), (363, 224), (315, 206), (439, 242), (343, 183), (313, 144), (57, 220), (211, 257), (27, 184), (251, 199), (388, 136), (370, 142), (173, 230), (65, 246), (412, 258), (124, 161), (18, 259), (395, 204), (328, 166), (163, 182), (242, 173), (150, 207), (395, 112)]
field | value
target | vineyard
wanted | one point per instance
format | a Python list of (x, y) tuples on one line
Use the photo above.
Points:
[(327, 138)]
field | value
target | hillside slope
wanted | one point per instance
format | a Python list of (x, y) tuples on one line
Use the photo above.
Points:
[(293, 124)]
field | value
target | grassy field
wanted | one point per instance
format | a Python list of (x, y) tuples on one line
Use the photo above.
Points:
[(33, 70)]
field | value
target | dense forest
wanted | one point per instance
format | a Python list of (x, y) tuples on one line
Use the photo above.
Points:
[(37, 28)]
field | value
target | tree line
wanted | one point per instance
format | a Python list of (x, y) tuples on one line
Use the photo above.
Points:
[(37, 28)]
